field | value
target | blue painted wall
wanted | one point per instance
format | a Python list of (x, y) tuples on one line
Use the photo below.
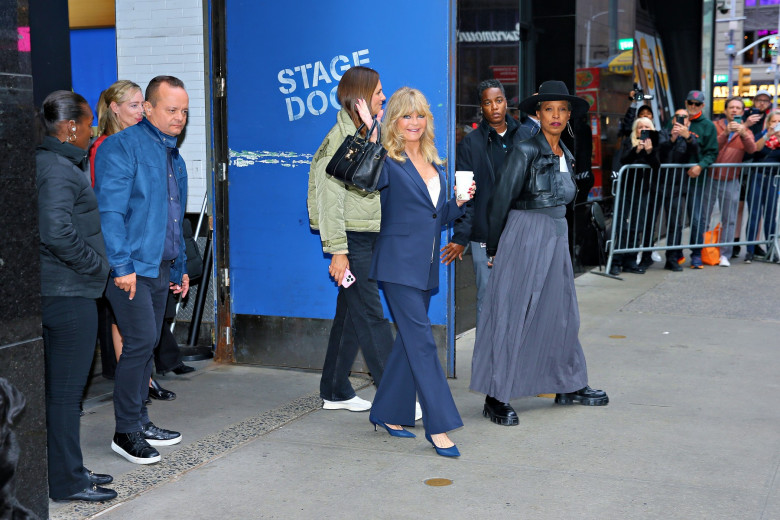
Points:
[(284, 60), (93, 62)]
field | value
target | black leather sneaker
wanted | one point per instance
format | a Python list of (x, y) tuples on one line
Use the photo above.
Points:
[(499, 413), (586, 396), (134, 448), (160, 437)]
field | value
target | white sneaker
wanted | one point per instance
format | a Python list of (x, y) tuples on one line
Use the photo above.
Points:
[(355, 404), (724, 262), (417, 411)]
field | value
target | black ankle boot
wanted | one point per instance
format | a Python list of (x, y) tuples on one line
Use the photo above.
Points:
[(499, 413)]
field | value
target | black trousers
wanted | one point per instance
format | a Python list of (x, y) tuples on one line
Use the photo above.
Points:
[(69, 331), (139, 320)]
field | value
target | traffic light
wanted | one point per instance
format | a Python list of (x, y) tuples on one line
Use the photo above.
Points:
[(743, 79)]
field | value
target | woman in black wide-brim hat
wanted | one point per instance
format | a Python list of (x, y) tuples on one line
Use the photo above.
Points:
[(527, 336)]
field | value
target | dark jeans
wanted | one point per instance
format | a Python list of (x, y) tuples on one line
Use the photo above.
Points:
[(167, 354), (139, 320), (69, 332), (636, 221), (696, 192), (762, 202), (359, 323)]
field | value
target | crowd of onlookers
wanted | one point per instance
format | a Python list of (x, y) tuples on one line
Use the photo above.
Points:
[(688, 193)]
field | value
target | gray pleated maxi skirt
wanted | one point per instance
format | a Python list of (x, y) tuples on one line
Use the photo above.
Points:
[(527, 336)]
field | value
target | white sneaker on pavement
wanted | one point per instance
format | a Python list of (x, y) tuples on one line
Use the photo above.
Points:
[(355, 404), (417, 411), (724, 262)]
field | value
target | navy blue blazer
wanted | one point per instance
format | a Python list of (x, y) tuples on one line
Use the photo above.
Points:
[(407, 250)]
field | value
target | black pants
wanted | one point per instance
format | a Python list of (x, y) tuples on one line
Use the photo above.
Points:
[(69, 330), (139, 320), (359, 323)]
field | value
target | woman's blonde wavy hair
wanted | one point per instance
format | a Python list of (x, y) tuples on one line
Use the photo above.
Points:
[(634, 138), (405, 101), (119, 92)]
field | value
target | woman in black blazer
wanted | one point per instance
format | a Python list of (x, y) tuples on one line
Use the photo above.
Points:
[(414, 208)]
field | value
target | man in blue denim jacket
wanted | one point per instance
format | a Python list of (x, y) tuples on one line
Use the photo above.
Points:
[(141, 186)]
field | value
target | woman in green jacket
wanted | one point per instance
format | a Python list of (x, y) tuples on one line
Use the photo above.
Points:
[(348, 220)]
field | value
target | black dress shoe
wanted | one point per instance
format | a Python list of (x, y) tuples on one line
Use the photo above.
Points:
[(134, 448), (499, 413), (615, 270), (160, 393), (673, 266), (759, 251), (160, 437), (633, 268), (586, 396), (183, 369), (92, 494), (99, 478)]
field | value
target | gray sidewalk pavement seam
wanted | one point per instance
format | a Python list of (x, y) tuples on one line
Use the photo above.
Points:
[(196, 454)]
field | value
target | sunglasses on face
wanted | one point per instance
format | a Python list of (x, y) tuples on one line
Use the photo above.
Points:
[(694, 103)]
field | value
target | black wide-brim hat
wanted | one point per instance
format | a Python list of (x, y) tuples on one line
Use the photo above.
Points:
[(554, 91)]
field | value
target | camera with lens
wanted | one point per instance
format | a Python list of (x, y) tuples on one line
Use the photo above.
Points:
[(639, 94)]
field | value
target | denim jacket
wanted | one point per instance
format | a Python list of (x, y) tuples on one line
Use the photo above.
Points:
[(131, 186)]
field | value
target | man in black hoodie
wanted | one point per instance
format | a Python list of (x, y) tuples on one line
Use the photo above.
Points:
[(482, 152)]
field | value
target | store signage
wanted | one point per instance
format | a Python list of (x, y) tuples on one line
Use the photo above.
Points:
[(749, 91), (506, 74), (489, 36), (319, 81)]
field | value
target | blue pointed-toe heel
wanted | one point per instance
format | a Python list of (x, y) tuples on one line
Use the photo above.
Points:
[(452, 451), (394, 433)]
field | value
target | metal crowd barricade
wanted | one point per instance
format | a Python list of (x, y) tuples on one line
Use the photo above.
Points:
[(653, 209)]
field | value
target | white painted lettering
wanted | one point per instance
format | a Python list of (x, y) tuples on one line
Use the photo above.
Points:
[(286, 81), (336, 73), (334, 99), (319, 73), (299, 102), (357, 57), (323, 102)]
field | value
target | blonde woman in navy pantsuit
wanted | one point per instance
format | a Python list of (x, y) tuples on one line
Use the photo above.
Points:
[(414, 209)]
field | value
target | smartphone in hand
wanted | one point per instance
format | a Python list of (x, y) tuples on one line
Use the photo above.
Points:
[(348, 279), (680, 119), (644, 134)]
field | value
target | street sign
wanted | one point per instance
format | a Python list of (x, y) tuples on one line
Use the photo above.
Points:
[(625, 44)]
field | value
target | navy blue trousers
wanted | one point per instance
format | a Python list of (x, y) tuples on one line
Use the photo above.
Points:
[(413, 368), (139, 321)]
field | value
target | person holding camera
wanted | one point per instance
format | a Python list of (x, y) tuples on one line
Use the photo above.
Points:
[(678, 146), (638, 210), (734, 141), (755, 119)]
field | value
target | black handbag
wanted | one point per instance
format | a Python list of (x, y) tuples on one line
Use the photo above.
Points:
[(358, 162)]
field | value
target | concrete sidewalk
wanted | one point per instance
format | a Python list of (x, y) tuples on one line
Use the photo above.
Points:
[(688, 359)]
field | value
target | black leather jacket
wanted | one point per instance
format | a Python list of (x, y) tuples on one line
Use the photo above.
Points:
[(530, 178)]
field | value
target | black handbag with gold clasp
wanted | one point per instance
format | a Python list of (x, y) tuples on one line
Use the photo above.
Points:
[(358, 162)]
